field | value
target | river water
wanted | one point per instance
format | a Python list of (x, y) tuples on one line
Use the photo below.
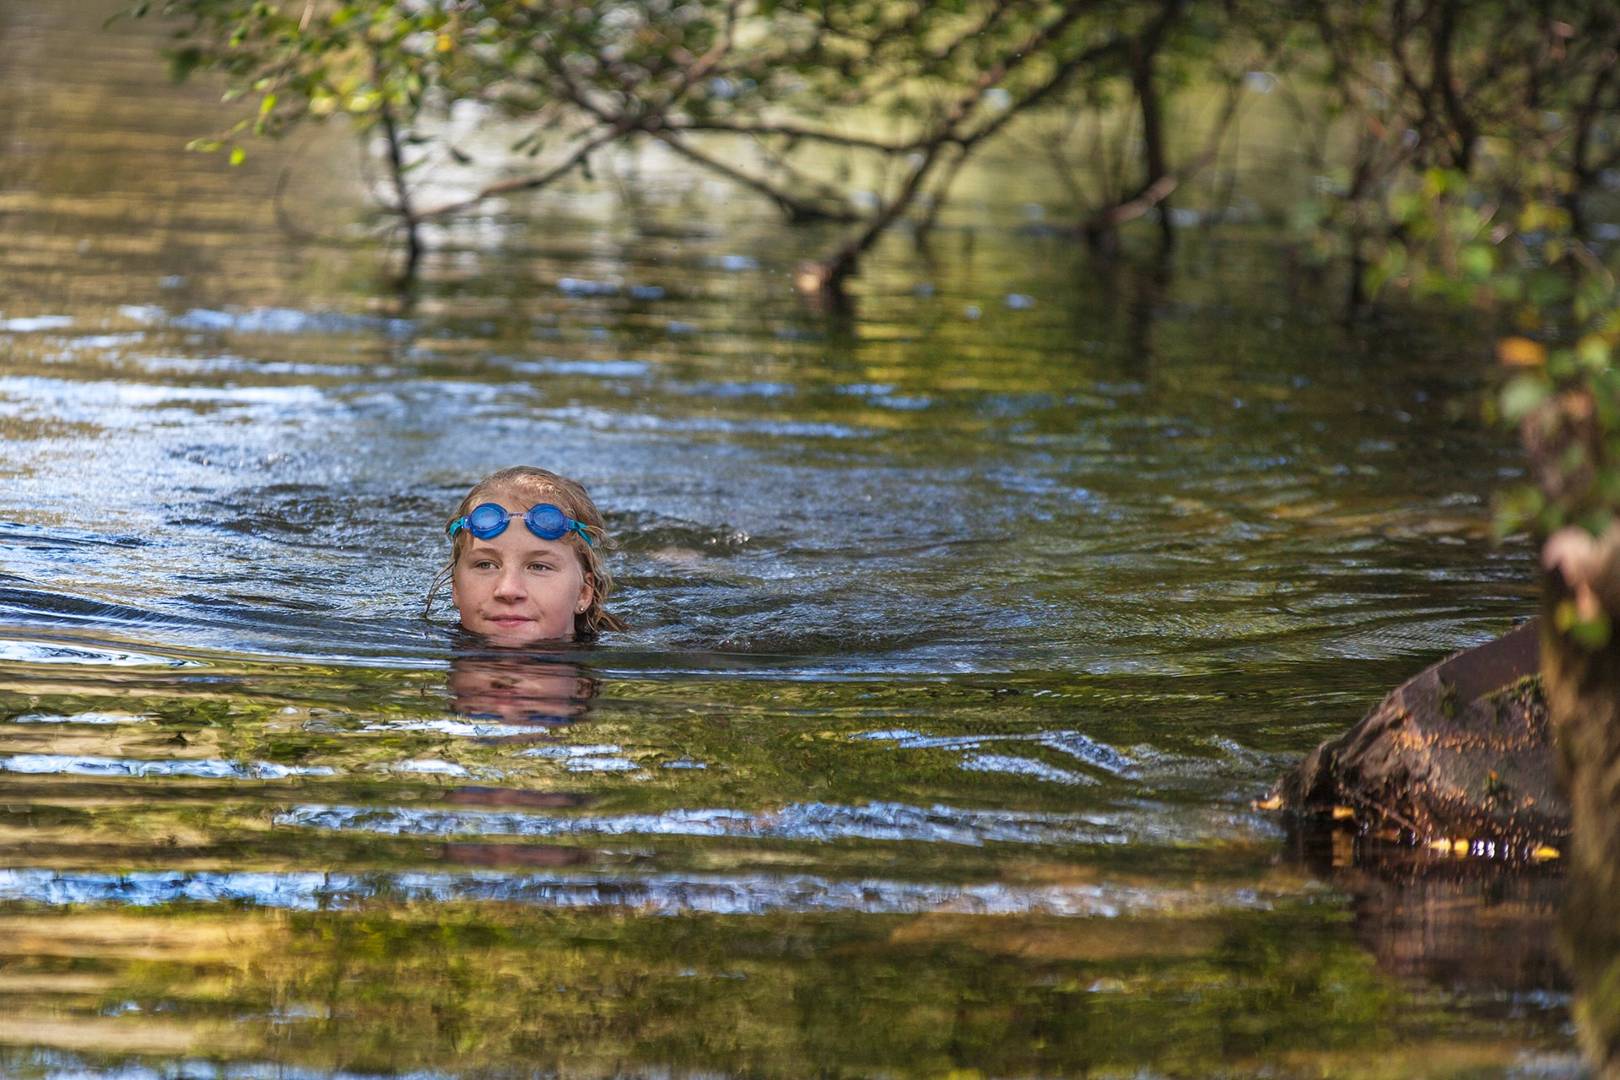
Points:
[(965, 631)]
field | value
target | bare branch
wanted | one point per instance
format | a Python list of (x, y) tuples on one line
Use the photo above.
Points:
[(1057, 80), (795, 131), (795, 208), (526, 183)]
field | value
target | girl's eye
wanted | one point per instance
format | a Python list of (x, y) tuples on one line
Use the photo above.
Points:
[(539, 567), (484, 564)]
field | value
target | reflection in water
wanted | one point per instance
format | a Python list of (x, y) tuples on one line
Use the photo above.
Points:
[(1472, 925), (518, 689)]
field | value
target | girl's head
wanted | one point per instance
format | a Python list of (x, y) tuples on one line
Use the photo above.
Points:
[(518, 586)]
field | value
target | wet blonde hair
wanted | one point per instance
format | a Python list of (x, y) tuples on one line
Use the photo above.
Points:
[(529, 486)]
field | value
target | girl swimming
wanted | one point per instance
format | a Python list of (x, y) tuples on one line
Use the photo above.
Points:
[(526, 560)]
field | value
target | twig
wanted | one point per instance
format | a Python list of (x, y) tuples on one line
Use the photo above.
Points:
[(796, 209), (524, 183)]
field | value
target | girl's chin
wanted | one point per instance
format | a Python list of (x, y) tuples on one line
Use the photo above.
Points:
[(527, 632)]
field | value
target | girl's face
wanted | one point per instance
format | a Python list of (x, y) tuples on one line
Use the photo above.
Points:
[(517, 588)]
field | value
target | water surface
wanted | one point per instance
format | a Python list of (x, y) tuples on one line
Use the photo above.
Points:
[(965, 630)]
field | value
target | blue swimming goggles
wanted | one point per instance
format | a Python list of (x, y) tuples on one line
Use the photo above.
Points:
[(489, 520)]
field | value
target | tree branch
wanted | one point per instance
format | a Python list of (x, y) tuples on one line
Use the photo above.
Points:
[(794, 131), (526, 183), (795, 208)]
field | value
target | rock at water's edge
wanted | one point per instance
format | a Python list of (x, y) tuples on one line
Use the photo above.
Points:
[(1461, 751)]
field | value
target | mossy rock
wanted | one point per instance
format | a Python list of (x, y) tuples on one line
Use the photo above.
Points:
[(1462, 751)]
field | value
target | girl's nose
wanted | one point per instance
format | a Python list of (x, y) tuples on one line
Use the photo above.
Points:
[(510, 586)]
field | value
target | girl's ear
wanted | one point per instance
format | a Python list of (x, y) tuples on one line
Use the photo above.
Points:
[(587, 593)]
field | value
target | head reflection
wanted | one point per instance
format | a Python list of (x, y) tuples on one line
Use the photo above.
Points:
[(520, 689)]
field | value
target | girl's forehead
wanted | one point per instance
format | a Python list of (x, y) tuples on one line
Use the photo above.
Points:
[(519, 502), (518, 539)]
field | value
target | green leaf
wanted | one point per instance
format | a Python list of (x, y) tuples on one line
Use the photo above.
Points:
[(1593, 353), (182, 62), (238, 155), (1517, 508), (1547, 288), (1386, 269), (1523, 395), (1477, 261), (1589, 634)]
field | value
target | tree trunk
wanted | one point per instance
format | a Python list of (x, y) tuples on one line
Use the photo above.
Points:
[(1583, 701), (1155, 162)]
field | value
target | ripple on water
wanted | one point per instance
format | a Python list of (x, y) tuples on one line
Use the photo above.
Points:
[(39, 652), (458, 729), (799, 821), (62, 1065), (1142, 822), (93, 718), (1075, 744), (651, 894), (32, 324), (14, 533), (208, 769), (601, 369), (431, 767), (1014, 765), (288, 321), (584, 758)]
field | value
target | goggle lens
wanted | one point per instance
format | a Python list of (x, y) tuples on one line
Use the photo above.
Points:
[(547, 522), (487, 520)]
